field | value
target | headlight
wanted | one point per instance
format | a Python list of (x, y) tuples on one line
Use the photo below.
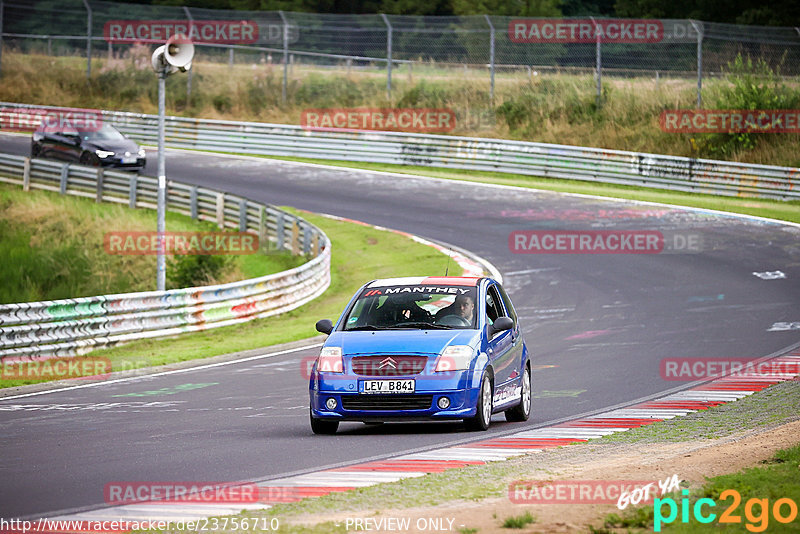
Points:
[(330, 360), (102, 154), (141, 153), (455, 358)]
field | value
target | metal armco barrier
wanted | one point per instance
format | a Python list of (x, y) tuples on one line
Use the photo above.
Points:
[(76, 326), (518, 157)]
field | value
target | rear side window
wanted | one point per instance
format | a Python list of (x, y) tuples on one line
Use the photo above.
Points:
[(493, 307), (507, 302)]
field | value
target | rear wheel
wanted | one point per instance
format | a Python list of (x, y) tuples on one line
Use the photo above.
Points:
[(483, 414), (323, 426), (36, 150), (522, 411)]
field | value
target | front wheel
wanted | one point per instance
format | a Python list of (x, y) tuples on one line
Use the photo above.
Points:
[(483, 414), (87, 158), (323, 426), (522, 411)]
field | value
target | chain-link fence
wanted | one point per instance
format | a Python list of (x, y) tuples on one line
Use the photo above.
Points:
[(481, 47)]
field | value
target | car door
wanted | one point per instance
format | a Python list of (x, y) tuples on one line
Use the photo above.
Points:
[(499, 347), (517, 340)]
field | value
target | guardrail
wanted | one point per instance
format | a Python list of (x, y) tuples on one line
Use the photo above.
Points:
[(518, 157), (72, 327)]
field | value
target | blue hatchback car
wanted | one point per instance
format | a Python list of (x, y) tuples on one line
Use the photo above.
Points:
[(422, 348)]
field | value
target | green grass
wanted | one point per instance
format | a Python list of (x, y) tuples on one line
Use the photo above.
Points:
[(773, 209), (519, 521), (52, 248), (775, 479)]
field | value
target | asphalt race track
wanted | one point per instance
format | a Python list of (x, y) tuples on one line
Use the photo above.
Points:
[(599, 326)]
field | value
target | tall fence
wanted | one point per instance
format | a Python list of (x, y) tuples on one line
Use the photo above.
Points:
[(516, 157), (476, 45), (75, 326)]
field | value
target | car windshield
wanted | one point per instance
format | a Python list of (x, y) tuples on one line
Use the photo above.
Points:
[(418, 307), (104, 133)]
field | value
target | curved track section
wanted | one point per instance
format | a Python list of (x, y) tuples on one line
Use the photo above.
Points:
[(599, 326)]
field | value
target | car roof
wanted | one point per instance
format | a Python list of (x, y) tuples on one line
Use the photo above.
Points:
[(427, 281)]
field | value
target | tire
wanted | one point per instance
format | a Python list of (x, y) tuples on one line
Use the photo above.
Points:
[(36, 150), (323, 426), (483, 413), (90, 159), (522, 411)]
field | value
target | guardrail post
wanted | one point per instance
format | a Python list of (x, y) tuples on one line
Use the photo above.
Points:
[(279, 228), (132, 191), (295, 238), (100, 178), (26, 175), (285, 55), (62, 186), (491, 57), (315, 245), (306, 239), (388, 57), (193, 202), (88, 39), (243, 215), (221, 210), (263, 242), (230, 58)]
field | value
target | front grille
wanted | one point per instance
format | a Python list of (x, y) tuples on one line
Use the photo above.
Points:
[(389, 365), (386, 402)]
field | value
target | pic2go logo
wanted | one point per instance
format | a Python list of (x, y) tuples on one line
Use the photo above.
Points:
[(756, 511)]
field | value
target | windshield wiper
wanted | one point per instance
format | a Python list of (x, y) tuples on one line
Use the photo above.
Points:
[(367, 327), (423, 326)]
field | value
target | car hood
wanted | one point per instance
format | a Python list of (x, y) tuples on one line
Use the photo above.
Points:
[(400, 341), (116, 146)]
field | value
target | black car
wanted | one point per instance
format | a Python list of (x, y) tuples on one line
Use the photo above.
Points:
[(105, 146)]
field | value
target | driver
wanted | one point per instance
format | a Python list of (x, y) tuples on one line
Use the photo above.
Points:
[(463, 307)]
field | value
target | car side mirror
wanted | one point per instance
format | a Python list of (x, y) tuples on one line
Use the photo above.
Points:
[(324, 326), (501, 324)]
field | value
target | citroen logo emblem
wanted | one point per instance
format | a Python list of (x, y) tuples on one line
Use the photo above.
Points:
[(387, 362)]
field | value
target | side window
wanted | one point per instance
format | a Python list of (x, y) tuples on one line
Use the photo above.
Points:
[(507, 301), (493, 307)]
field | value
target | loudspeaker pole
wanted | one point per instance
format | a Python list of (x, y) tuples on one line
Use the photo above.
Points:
[(161, 265)]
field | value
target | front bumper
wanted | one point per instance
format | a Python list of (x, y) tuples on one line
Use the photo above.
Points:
[(420, 405)]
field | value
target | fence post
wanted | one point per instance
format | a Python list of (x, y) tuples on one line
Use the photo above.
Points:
[(388, 57), (279, 235), (699, 30), (598, 67), (189, 77), (230, 57), (88, 39), (243, 215), (491, 57), (1, 36), (263, 241), (285, 55), (295, 238)]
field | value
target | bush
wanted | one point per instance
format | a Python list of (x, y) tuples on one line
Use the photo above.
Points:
[(195, 270)]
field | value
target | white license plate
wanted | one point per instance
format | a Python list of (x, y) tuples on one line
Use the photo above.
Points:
[(128, 160), (386, 386)]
